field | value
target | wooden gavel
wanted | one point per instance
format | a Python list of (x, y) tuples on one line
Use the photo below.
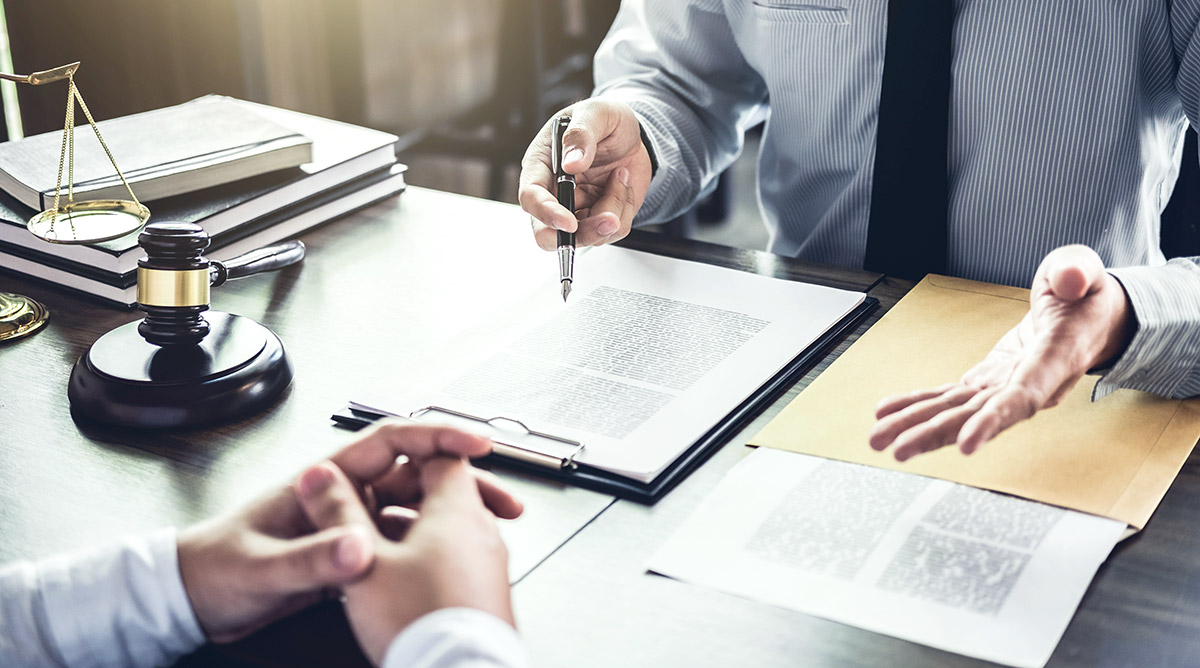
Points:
[(166, 371), (174, 279)]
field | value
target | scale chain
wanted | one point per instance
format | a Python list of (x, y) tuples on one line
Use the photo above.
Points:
[(73, 94)]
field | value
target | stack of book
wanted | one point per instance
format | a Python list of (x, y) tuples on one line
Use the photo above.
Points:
[(249, 174)]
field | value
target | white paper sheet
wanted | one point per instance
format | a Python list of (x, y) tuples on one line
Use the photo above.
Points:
[(962, 569), (648, 354)]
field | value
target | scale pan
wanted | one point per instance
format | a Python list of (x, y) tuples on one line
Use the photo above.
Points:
[(89, 221)]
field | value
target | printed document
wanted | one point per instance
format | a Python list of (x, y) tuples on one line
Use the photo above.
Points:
[(647, 356), (954, 567)]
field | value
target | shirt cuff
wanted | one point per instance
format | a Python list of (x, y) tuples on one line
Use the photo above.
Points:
[(458, 637), (1163, 357), (121, 605)]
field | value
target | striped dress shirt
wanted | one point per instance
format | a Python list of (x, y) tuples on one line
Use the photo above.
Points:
[(1066, 126)]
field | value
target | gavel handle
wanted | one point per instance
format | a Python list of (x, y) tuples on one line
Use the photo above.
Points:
[(268, 258)]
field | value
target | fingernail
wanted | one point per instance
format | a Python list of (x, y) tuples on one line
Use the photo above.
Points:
[(623, 175), (351, 550), (572, 155), (607, 226), (315, 480)]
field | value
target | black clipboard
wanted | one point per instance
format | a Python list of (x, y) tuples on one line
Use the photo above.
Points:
[(564, 469)]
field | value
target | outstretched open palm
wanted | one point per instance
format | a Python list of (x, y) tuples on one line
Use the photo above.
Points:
[(1079, 318)]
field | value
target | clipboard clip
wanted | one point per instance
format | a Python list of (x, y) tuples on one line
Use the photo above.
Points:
[(511, 450)]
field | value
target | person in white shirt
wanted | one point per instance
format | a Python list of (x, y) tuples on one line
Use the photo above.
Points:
[(428, 588)]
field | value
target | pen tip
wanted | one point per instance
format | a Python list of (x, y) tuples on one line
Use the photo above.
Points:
[(566, 289)]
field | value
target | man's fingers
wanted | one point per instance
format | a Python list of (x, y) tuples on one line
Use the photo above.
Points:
[(579, 143), (545, 236), (536, 189), (937, 432), (591, 122), (979, 429), (544, 208), (1006, 408), (333, 557), (402, 487), (395, 521), (891, 427), (329, 499), (449, 487), (495, 497), (1073, 271), (611, 216), (897, 402), (375, 453)]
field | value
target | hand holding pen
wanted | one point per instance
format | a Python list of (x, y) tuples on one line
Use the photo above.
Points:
[(602, 149)]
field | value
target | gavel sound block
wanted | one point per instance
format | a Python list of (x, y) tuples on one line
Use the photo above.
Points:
[(181, 366)]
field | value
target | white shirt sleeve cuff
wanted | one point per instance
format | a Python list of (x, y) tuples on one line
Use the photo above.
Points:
[(120, 605), (1164, 356), (459, 637)]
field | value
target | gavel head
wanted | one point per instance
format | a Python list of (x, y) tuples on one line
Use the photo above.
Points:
[(173, 283)]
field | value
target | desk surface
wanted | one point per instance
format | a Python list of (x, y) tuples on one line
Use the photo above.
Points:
[(375, 293)]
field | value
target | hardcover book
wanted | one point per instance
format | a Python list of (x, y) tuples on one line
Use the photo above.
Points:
[(341, 153), (199, 144)]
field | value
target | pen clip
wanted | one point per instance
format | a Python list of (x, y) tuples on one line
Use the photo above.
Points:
[(557, 131)]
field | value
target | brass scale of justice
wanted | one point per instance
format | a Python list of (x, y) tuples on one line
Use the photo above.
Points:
[(175, 368)]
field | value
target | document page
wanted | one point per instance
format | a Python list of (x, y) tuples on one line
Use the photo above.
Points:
[(647, 355), (954, 567)]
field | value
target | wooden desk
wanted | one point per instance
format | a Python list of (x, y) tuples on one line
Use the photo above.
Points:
[(377, 291)]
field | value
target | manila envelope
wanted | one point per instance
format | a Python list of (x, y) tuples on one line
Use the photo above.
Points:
[(1113, 457)]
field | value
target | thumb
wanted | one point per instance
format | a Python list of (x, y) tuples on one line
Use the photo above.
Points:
[(329, 499), (592, 121), (1073, 272), (449, 486), (329, 558), (579, 143)]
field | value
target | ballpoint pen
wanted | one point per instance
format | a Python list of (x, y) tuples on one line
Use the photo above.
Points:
[(564, 187)]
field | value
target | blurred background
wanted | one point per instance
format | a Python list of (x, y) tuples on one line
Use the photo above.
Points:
[(464, 83)]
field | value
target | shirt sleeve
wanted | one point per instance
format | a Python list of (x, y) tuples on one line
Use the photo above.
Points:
[(1164, 355), (677, 65), (458, 638), (121, 605)]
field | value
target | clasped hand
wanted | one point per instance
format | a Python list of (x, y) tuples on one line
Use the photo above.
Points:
[(397, 520), (1079, 319)]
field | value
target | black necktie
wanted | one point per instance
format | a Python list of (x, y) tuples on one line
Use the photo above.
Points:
[(906, 236)]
